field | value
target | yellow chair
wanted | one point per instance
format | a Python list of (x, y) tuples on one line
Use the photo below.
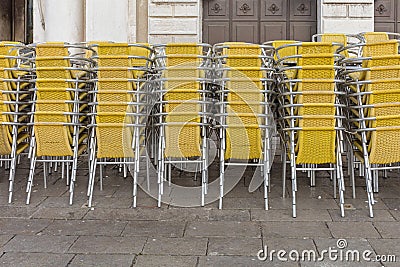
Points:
[(310, 114), (14, 132), (58, 133), (114, 122), (184, 71), (244, 112), (376, 122)]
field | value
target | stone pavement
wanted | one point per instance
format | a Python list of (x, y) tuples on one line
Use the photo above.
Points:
[(49, 232)]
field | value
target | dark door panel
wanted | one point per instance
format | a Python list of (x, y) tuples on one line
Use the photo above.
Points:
[(273, 31), (215, 31), (387, 16), (302, 31), (245, 32), (258, 20)]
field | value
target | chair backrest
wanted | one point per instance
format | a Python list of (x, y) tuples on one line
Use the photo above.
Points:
[(375, 37), (52, 137), (384, 85), (390, 47)]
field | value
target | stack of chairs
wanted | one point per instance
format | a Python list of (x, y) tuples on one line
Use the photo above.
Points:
[(183, 109), (117, 108), (58, 112), (14, 103), (378, 37), (310, 112), (243, 74), (345, 39), (373, 98)]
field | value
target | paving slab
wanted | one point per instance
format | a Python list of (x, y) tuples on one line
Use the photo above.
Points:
[(392, 203), (223, 229), (353, 230), (23, 226), (185, 214), (395, 214), (85, 227), (388, 229), (357, 215), (242, 261), (306, 215), (22, 259), (386, 246), (40, 243), (102, 260), (229, 215), (60, 213), (4, 239), (288, 244), (187, 246), (166, 261), (234, 246), (130, 214), (16, 212), (339, 264), (155, 228), (295, 229), (243, 203), (108, 245)]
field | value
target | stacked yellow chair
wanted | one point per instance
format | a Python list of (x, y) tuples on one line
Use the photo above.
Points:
[(374, 118), (183, 104), (14, 98), (245, 116), (58, 112), (311, 114), (114, 136)]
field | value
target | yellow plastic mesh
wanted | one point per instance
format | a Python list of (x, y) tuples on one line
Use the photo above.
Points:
[(373, 49), (52, 138), (114, 137), (243, 135), (316, 48), (375, 37), (182, 132)]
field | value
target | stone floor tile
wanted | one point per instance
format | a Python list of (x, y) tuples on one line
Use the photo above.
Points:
[(229, 215), (306, 215), (346, 244), (353, 230), (243, 203), (223, 229), (240, 261), (85, 227), (395, 214), (130, 214), (288, 244), (4, 239), (165, 261), (327, 263), (102, 260), (392, 203), (386, 246), (108, 245), (234, 246), (356, 215), (22, 259), (154, 228), (295, 229), (23, 226), (191, 246), (40, 243), (361, 202), (75, 213), (16, 212), (185, 214), (388, 229)]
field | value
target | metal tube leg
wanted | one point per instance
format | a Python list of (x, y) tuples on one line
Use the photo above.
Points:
[(30, 179)]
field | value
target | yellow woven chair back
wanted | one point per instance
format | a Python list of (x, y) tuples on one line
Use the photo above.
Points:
[(390, 47), (182, 132), (243, 134), (53, 138), (375, 37), (383, 144), (114, 92), (140, 58), (336, 38), (316, 141)]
